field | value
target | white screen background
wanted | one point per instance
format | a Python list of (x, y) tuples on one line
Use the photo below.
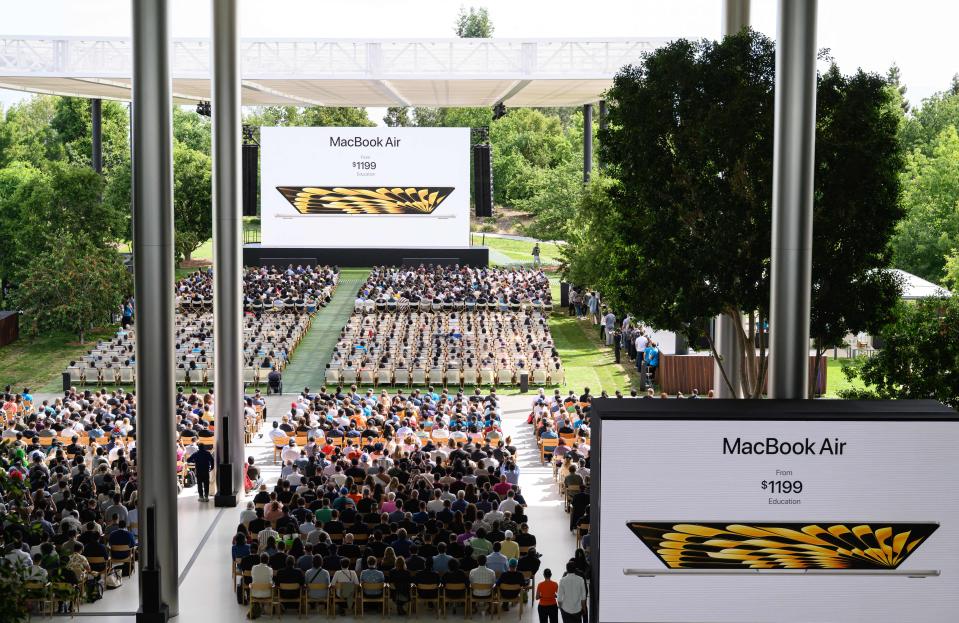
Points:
[(655, 470), (303, 156)]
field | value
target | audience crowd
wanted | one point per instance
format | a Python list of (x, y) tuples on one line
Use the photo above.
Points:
[(300, 288)]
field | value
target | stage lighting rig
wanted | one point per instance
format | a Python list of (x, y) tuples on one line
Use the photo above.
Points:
[(203, 108), (499, 111)]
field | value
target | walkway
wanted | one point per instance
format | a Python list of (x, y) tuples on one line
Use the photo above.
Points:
[(313, 353)]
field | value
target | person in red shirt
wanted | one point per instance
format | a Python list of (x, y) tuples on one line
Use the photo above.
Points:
[(546, 594), (502, 487)]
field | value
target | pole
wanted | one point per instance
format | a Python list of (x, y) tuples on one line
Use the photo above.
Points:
[(735, 18), (794, 142), (587, 141), (153, 279), (602, 128), (227, 252), (96, 124)]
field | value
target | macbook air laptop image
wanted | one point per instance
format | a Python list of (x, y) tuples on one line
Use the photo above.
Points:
[(774, 548)]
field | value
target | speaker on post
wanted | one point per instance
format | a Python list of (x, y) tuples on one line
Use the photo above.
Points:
[(482, 180), (251, 156)]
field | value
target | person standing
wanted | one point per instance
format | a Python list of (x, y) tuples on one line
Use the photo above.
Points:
[(640, 344), (536, 261), (203, 463), (652, 360), (571, 595), (610, 325), (546, 595)]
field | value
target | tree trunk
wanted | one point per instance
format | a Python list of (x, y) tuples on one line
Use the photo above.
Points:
[(814, 380), (719, 362), (81, 336)]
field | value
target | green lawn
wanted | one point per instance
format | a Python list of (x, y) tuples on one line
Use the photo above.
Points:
[(520, 250), (836, 380), (38, 362)]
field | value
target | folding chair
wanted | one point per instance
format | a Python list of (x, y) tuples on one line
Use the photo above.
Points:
[(382, 598)]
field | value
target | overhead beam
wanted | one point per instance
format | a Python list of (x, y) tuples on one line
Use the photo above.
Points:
[(386, 88), (260, 88), (513, 90)]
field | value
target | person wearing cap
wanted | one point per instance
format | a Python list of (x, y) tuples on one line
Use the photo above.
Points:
[(512, 576), (508, 546)]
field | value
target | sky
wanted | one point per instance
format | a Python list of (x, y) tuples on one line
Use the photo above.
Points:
[(919, 35)]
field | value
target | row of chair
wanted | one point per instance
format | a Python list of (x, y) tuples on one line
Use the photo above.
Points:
[(454, 377), (281, 598)]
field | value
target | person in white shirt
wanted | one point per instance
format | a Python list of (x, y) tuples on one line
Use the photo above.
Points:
[(290, 452), (262, 574), (571, 595), (276, 433), (248, 514), (482, 575)]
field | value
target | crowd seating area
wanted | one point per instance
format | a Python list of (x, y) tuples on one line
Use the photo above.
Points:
[(268, 343), (402, 502), (561, 426), (78, 454), (280, 304), (450, 286), (448, 326), (265, 289)]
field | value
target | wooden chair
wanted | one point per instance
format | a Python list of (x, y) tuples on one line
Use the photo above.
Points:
[(519, 598), (418, 597), (336, 600), (571, 491), (582, 529), (38, 593), (382, 598), (546, 448), (123, 557), (456, 594), (490, 599), (278, 445), (318, 601), (263, 601), (530, 586), (281, 601), (70, 594)]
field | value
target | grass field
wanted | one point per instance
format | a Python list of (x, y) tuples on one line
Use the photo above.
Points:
[(520, 250), (836, 380), (37, 362)]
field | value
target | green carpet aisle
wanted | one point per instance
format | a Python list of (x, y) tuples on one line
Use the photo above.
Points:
[(311, 356)]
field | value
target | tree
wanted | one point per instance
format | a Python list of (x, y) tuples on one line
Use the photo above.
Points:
[(75, 286), (690, 144), (952, 271), (921, 354), (525, 142), (24, 191), (929, 120), (73, 123), (856, 138), (314, 116), (473, 24), (193, 130), (930, 230), (192, 199), (30, 133), (894, 78), (398, 117)]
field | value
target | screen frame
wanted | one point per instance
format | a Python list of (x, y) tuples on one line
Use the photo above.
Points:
[(703, 409)]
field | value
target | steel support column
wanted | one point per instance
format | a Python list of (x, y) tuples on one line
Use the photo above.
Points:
[(227, 252), (794, 142), (96, 127), (153, 280), (587, 141), (735, 18), (602, 127)]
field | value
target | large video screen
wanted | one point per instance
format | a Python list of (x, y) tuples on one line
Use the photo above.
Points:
[(749, 515), (365, 187)]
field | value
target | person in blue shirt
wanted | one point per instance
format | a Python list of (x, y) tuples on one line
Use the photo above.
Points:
[(651, 358)]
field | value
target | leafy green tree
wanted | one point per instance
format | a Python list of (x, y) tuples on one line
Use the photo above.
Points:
[(24, 191), (856, 138), (921, 354), (690, 144), (473, 24), (596, 216), (73, 124), (30, 135), (952, 271), (929, 120), (313, 116), (192, 199), (550, 197), (398, 117), (930, 230), (73, 287), (894, 78), (193, 130), (524, 142)]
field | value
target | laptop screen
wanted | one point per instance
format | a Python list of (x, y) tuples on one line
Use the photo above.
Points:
[(757, 546)]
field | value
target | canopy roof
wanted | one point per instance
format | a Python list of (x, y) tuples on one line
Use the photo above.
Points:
[(914, 287), (339, 72)]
